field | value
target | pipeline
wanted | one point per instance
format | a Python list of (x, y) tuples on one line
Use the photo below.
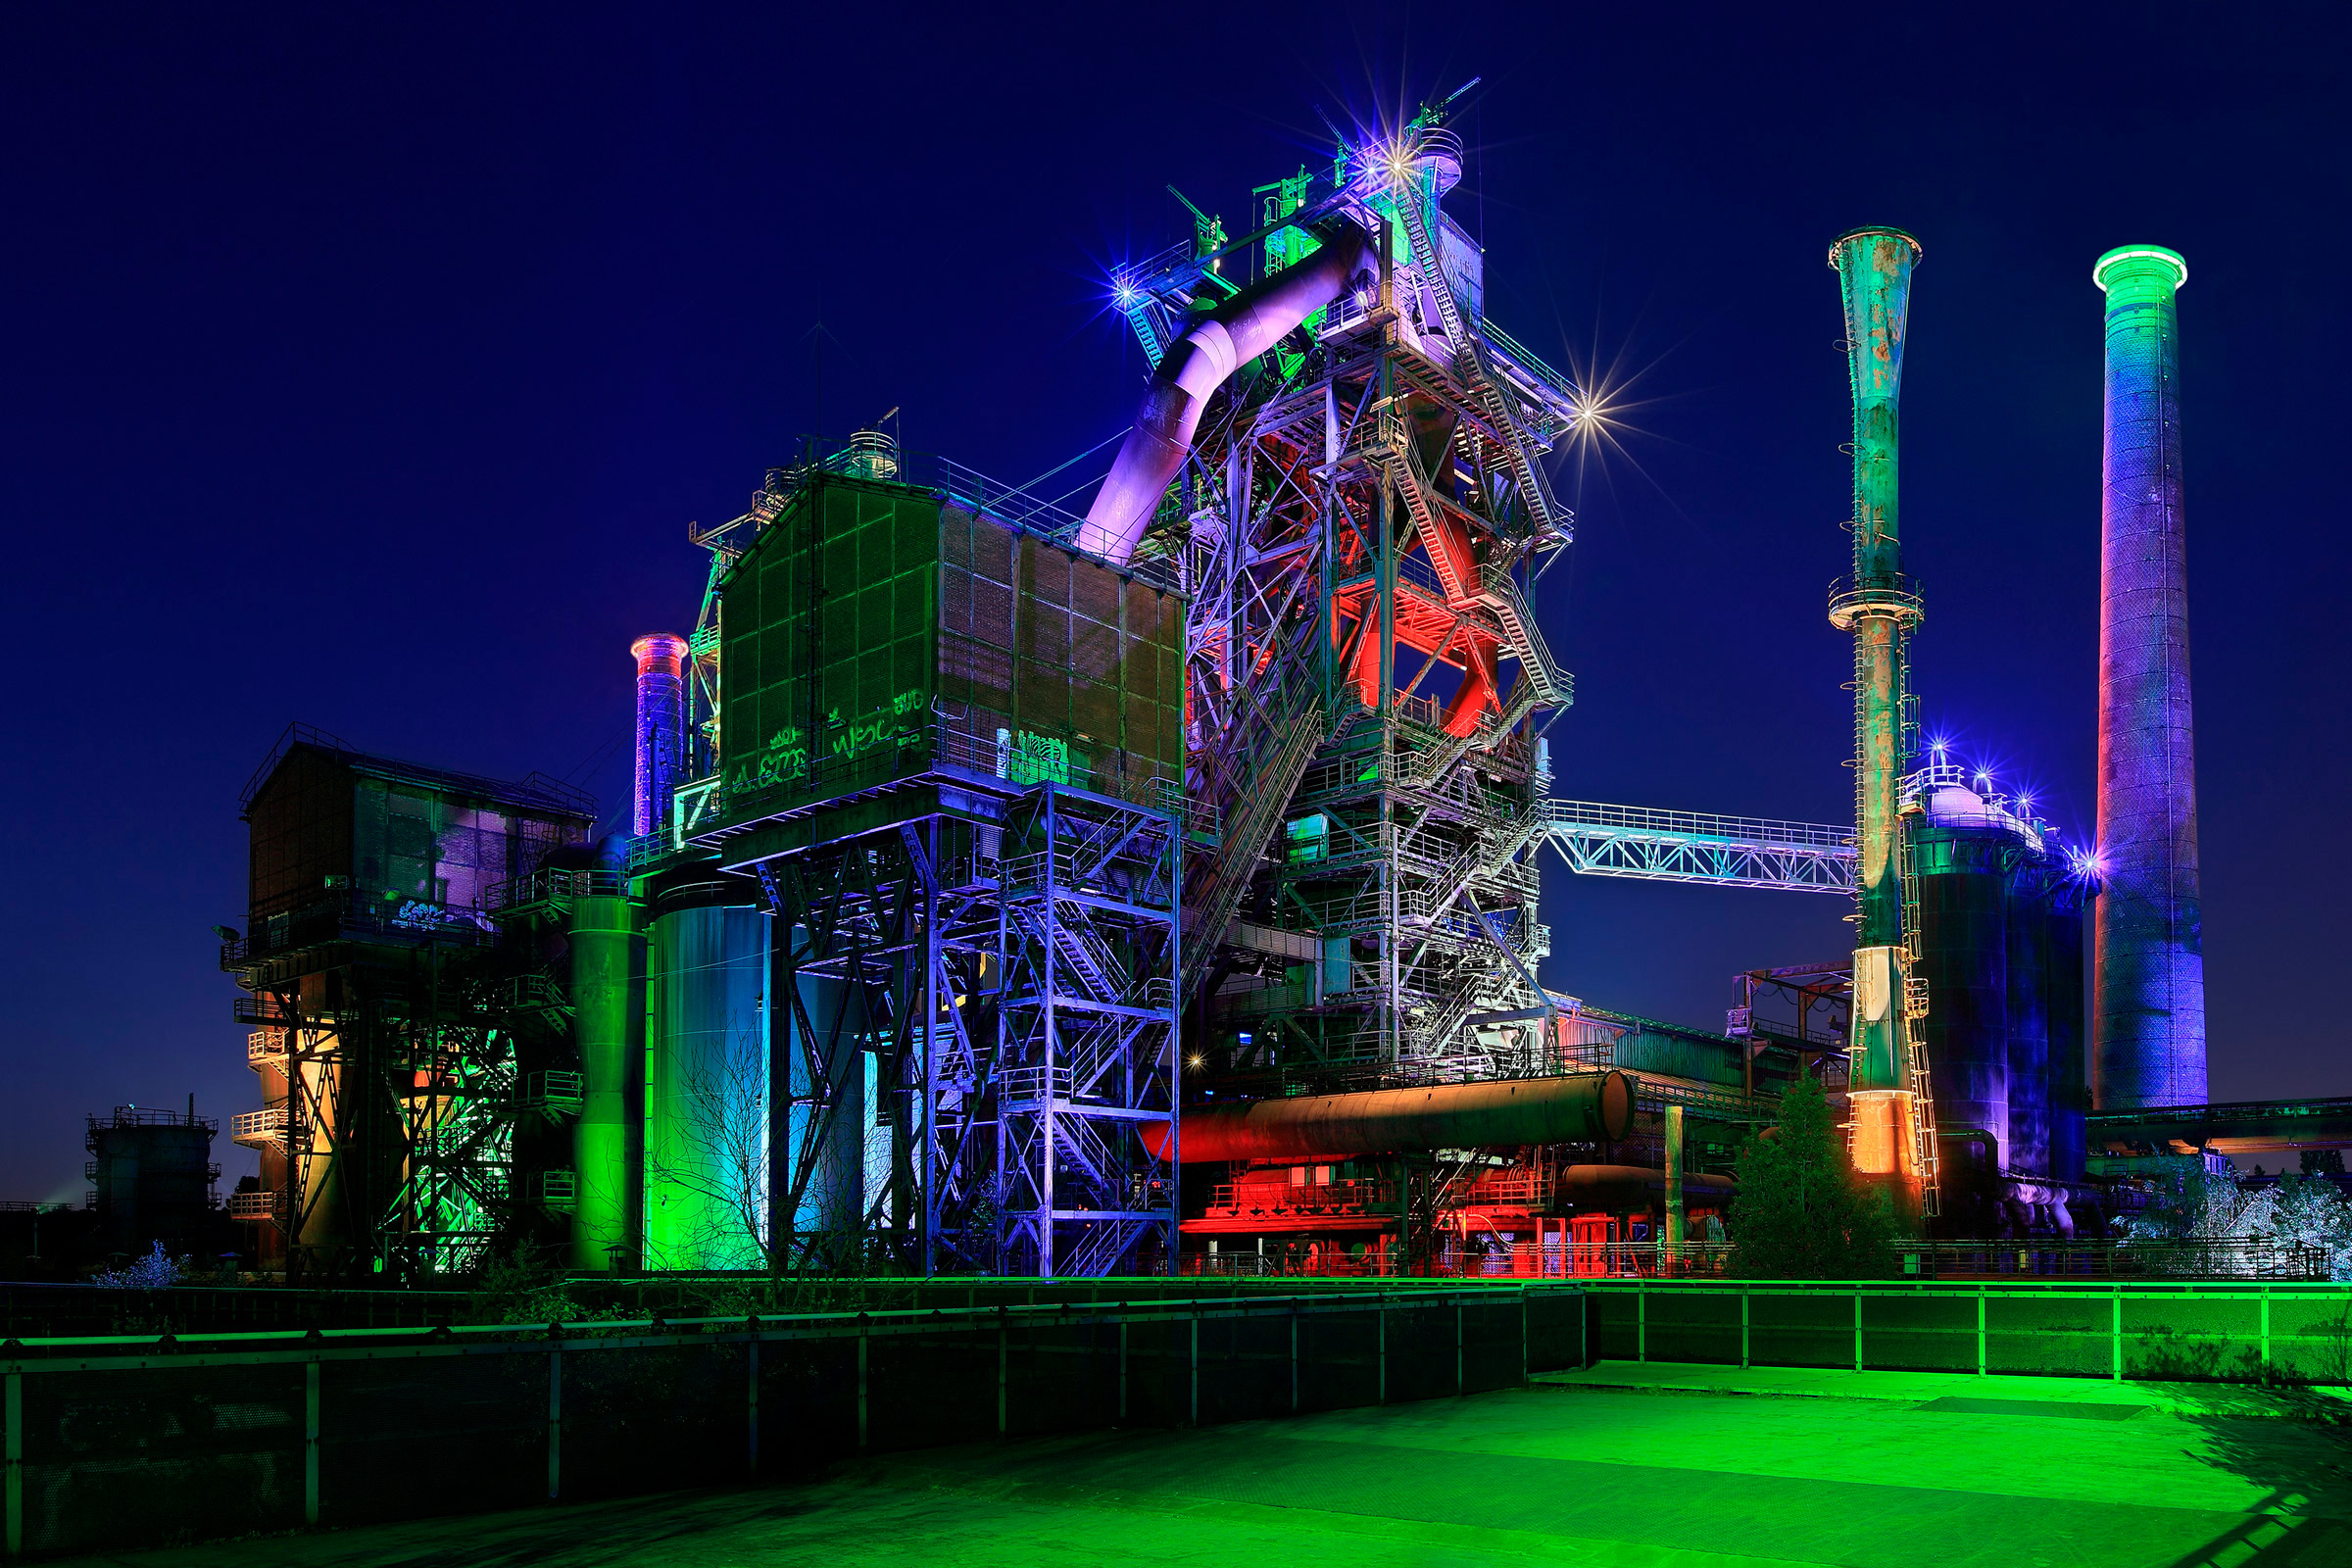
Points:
[(1588, 1107), (1229, 338)]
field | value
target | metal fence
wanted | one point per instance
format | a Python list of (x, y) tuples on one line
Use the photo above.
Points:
[(116, 1443), (2232, 1331)]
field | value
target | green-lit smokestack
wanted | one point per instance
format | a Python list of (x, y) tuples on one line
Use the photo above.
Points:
[(1879, 606), (604, 935)]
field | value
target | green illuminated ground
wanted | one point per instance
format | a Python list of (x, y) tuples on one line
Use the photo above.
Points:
[(1837, 1468)]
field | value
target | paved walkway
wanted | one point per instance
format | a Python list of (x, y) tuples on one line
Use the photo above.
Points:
[(1919, 1387), (1868, 1470)]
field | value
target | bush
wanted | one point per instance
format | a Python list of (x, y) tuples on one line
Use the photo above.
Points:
[(157, 1271)]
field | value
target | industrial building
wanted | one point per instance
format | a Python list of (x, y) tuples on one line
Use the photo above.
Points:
[(1012, 891)]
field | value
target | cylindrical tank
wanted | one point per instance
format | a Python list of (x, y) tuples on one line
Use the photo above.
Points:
[(2029, 1008), (2070, 1093), (154, 1173), (1964, 957), (706, 1072), (605, 966), (2149, 1009), (844, 1165), (660, 727)]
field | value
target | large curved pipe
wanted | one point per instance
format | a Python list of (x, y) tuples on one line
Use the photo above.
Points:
[(1493, 1114), (1220, 343)]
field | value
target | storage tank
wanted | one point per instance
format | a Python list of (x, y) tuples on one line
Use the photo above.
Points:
[(2070, 1083), (2000, 937), (1962, 866), (606, 968), (154, 1174), (706, 1071)]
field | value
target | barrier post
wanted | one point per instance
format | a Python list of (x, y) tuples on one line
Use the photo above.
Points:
[(555, 1418), (1743, 1330), (1857, 1328), (1980, 1331), (2266, 1326), (1640, 1322), (751, 1349), (13, 1398), (309, 1442), (2117, 1331), (1195, 1399)]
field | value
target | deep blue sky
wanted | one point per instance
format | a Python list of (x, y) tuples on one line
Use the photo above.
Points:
[(366, 365)]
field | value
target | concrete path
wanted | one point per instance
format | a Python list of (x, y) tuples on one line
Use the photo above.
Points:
[(1873, 1470)]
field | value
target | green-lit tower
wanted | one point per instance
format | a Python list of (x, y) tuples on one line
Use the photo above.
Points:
[(1893, 1125)]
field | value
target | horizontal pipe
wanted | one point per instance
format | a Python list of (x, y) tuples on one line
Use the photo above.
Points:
[(1495, 1114)]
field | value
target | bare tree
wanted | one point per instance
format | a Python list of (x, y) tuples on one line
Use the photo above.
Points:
[(707, 1162)]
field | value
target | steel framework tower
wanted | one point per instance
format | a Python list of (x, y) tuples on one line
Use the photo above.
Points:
[(2149, 1008), (976, 919), (1894, 1128), (1357, 499)]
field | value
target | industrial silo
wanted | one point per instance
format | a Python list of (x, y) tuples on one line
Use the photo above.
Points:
[(1960, 860), (2000, 946), (706, 1087)]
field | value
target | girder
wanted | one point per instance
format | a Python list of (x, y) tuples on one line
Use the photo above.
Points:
[(1699, 846)]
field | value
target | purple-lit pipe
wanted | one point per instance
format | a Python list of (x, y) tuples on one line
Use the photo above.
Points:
[(660, 727), (2148, 1013), (1227, 339)]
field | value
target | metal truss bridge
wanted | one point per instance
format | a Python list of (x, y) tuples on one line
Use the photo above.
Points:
[(1731, 852)]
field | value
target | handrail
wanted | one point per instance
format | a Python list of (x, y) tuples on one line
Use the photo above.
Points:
[(1561, 814)]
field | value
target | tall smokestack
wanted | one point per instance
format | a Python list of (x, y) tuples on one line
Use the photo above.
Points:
[(661, 726), (2148, 1008), (1893, 1140)]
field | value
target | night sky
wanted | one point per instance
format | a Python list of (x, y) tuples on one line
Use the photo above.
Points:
[(365, 367)]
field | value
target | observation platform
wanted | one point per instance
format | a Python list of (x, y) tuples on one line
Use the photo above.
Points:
[(1898, 1470)]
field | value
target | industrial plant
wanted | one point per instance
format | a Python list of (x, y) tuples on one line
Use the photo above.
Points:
[(1010, 891)]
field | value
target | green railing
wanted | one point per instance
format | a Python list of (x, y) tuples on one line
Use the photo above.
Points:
[(2201, 1332)]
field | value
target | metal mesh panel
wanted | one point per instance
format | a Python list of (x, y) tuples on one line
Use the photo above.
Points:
[(1339, 1359), (1798, 1331), (161, 1454), (2052, 1333), (1494, 1343), (642, 1419), (2311, 1337), (1555, 1330), (1693, 1328), (1062, 1377), (1245, 1368), (1920, 1333), (934, 1387), (1424, 1350), (482, 1418), (1160, 1359), (2178, 1338), (807, 1403)]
